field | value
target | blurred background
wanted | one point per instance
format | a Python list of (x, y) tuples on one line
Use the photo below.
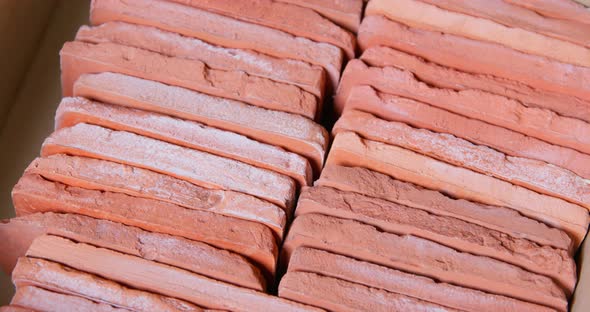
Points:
[(31, 35)]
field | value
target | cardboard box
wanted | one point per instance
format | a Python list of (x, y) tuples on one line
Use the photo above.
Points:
[(31, 35)]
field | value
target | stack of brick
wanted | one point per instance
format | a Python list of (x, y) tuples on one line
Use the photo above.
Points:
[(186, 131), (458, 175), (189, 139)]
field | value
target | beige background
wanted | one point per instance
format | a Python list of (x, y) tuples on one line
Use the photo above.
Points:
[(31, 35)]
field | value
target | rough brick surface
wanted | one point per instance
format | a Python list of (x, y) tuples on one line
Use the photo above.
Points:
[(421, 115), (293, 19), (422, 257), (423, 15), (308, 77), (505, 13), (477, 57), (416, 286), (34, 194), (194, 166), (346, 13), (61, 279), (457, 234), (534, 175), (566, 10), (159, 278), (103, 175), (187, 254), (378, 185), (191, 134), (337, 295), (349, 149), (39, 299), (292, 132), (494, 109), (219, 30), (449, 78), (78, 58)]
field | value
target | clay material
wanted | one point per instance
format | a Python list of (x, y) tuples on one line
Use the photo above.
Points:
[(96, 174), (197, 167), (158, 278), (219, 30), (348, 149), (292, 132), (504, 13), (57, 278), (445, 77), (176, 251), (448, 231), (308, 77), (534, 175), (476, 104), (34, 194), (72, 111), (421, 115), (13, 308), (504, 220), (478, 57), (293, 19), (43, 300), (565, 10), (78, 58), (419, 256), (346, 13), (394, 281), (422, 15), (338, 295)]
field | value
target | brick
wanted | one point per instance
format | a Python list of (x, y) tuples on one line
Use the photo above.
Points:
[(40, 299), (176, 251), (534, 175), (510, 15), (310, 78), (220, 30), (411, 285), (33, 194), (13, 308), (158, 278), (78, 58), (501, 219), (420, 115), (423, 15), (418, 256), (338, 295), (454, 233), (103, 175), (60, 279), (191, 134), (346, 13), (566, 10), (494, 109), (289, 131), (478, 57), (348, 149), (296, 20), (449, 78), (200, 168)]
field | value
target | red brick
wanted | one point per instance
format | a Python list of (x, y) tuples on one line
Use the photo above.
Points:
[(219, 30), (158, 278), (479, 57), (291, 132)]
